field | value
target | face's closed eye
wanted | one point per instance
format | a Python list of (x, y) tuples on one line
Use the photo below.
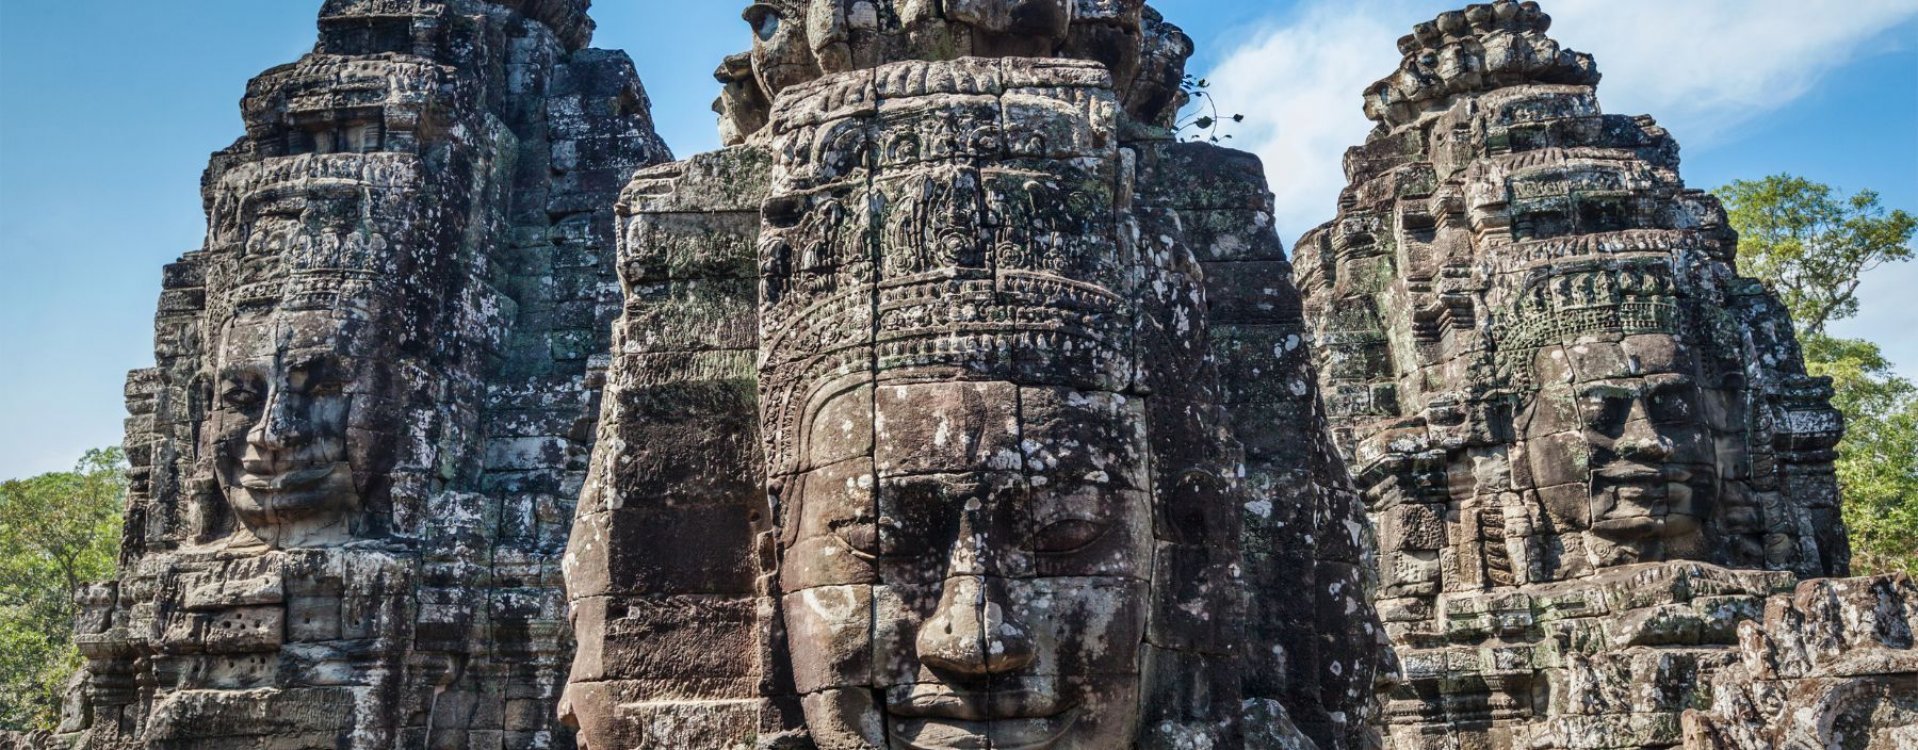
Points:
[(242, 391), (1670, 401), (1067, 536), (1606, 408)]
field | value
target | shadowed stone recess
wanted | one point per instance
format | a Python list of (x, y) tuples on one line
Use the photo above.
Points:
[(957, 405), (1594, 459), (354, 463)]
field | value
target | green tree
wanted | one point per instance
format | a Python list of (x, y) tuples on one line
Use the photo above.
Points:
[(1813, 250), (1878, 464), (1811, 247), (58, 532)]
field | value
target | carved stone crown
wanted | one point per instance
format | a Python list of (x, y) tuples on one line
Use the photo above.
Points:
[(1485, 47), (1590, 299), (567, 18), (1477, 20), (326, 289)]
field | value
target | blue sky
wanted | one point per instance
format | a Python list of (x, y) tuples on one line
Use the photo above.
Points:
[(109, 108)]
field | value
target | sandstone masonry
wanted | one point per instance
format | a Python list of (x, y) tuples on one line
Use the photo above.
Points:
[(354, 464), (989, 399), (1594, 459), (957, 405)]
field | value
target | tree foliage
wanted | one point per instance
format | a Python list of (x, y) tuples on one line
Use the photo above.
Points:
[(1878, 464), (58, 532), (1813, 250), (1811, 247)]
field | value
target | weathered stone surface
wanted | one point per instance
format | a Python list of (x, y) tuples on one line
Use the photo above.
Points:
[(999, 464), (1589, 446), (35, 740), (955, 404), (354, 463), (1833, 665), (796, 41)]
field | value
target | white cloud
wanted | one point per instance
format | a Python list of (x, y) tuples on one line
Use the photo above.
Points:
[(1701, 67), (1299, 84)]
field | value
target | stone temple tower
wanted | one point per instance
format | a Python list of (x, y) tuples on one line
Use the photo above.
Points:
[(354, 464), (959, 405), (1590, 447)]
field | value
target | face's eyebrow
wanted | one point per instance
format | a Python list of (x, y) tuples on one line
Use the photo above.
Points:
[(239, 370), (1668, 380), (311, 358), (1608, 390)]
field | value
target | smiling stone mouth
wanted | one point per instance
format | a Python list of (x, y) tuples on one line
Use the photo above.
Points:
[(928, 702), (999, 733), (285, 481), (1628, 474)]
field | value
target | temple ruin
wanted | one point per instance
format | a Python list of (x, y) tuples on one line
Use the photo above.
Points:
[(355, 461), (959, 403), (1596, 464), (989, 400)]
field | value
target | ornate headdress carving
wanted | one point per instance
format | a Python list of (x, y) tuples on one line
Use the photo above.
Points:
[(1596, 297)]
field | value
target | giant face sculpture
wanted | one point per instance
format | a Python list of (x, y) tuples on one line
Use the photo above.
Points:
[(295, 423), (795, 41), (1568, 407), (966, 528), (301, 358), (1618, 438), (966, 591), (295, 574), (1623, 430), (991, 499), (1014, 27)]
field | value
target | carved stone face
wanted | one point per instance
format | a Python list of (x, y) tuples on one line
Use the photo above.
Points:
[(1619, 439), (294, 415), (965, 523), (968, 602), (799, 40)]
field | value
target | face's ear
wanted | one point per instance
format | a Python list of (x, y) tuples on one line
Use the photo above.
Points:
[(210, 513), (766, 20)]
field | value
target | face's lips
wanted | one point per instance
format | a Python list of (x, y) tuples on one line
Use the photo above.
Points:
[(1640, 495), (1645, 502), (1629, 528), (1643, 497), (287, 481), (995, 734), (1630, 472), (942, 702), (1638, 482)]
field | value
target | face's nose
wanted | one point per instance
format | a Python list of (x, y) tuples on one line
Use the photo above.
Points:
[(973, 633), (1641, 440), (281, 424)]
